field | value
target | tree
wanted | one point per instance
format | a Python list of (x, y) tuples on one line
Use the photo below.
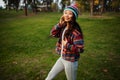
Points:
[(12, 4), (48, 3), (116, 5), (91, 7), (83, 5), (29, 2), (16, 3), (102, 6), (96, 7), (25, 9)]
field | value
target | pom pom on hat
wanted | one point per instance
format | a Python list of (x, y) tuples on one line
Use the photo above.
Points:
[(74, 9)]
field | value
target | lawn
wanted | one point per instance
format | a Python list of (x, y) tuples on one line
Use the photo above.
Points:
[(28, 53)]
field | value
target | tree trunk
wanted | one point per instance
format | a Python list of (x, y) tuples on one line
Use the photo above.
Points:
[(25, 8), (35, 7), (91, 7), (102, 7)]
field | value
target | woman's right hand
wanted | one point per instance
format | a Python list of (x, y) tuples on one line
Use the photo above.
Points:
[(62, 21)]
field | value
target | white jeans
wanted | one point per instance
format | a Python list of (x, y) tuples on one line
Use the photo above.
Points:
[(69, 67)]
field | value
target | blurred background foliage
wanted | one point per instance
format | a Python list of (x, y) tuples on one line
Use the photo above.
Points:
[(94, 7)]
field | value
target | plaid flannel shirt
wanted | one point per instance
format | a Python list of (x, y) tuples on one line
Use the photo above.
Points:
[(73, 47)]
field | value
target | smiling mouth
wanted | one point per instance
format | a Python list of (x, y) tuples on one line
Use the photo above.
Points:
[(67, 19)]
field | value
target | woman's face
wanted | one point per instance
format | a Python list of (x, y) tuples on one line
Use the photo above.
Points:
[(68, 15)]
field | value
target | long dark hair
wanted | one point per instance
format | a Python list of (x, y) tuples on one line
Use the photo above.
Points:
[(72, 25)]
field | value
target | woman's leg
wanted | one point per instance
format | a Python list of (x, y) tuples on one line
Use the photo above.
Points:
[(71, 69), (58, 67)]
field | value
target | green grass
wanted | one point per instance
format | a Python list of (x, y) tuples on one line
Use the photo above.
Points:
[(27, 52)]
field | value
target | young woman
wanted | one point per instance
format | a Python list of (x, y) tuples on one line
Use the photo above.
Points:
[(69, 45)]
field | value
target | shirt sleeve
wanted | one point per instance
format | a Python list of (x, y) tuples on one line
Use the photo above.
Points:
[(56, 30)]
